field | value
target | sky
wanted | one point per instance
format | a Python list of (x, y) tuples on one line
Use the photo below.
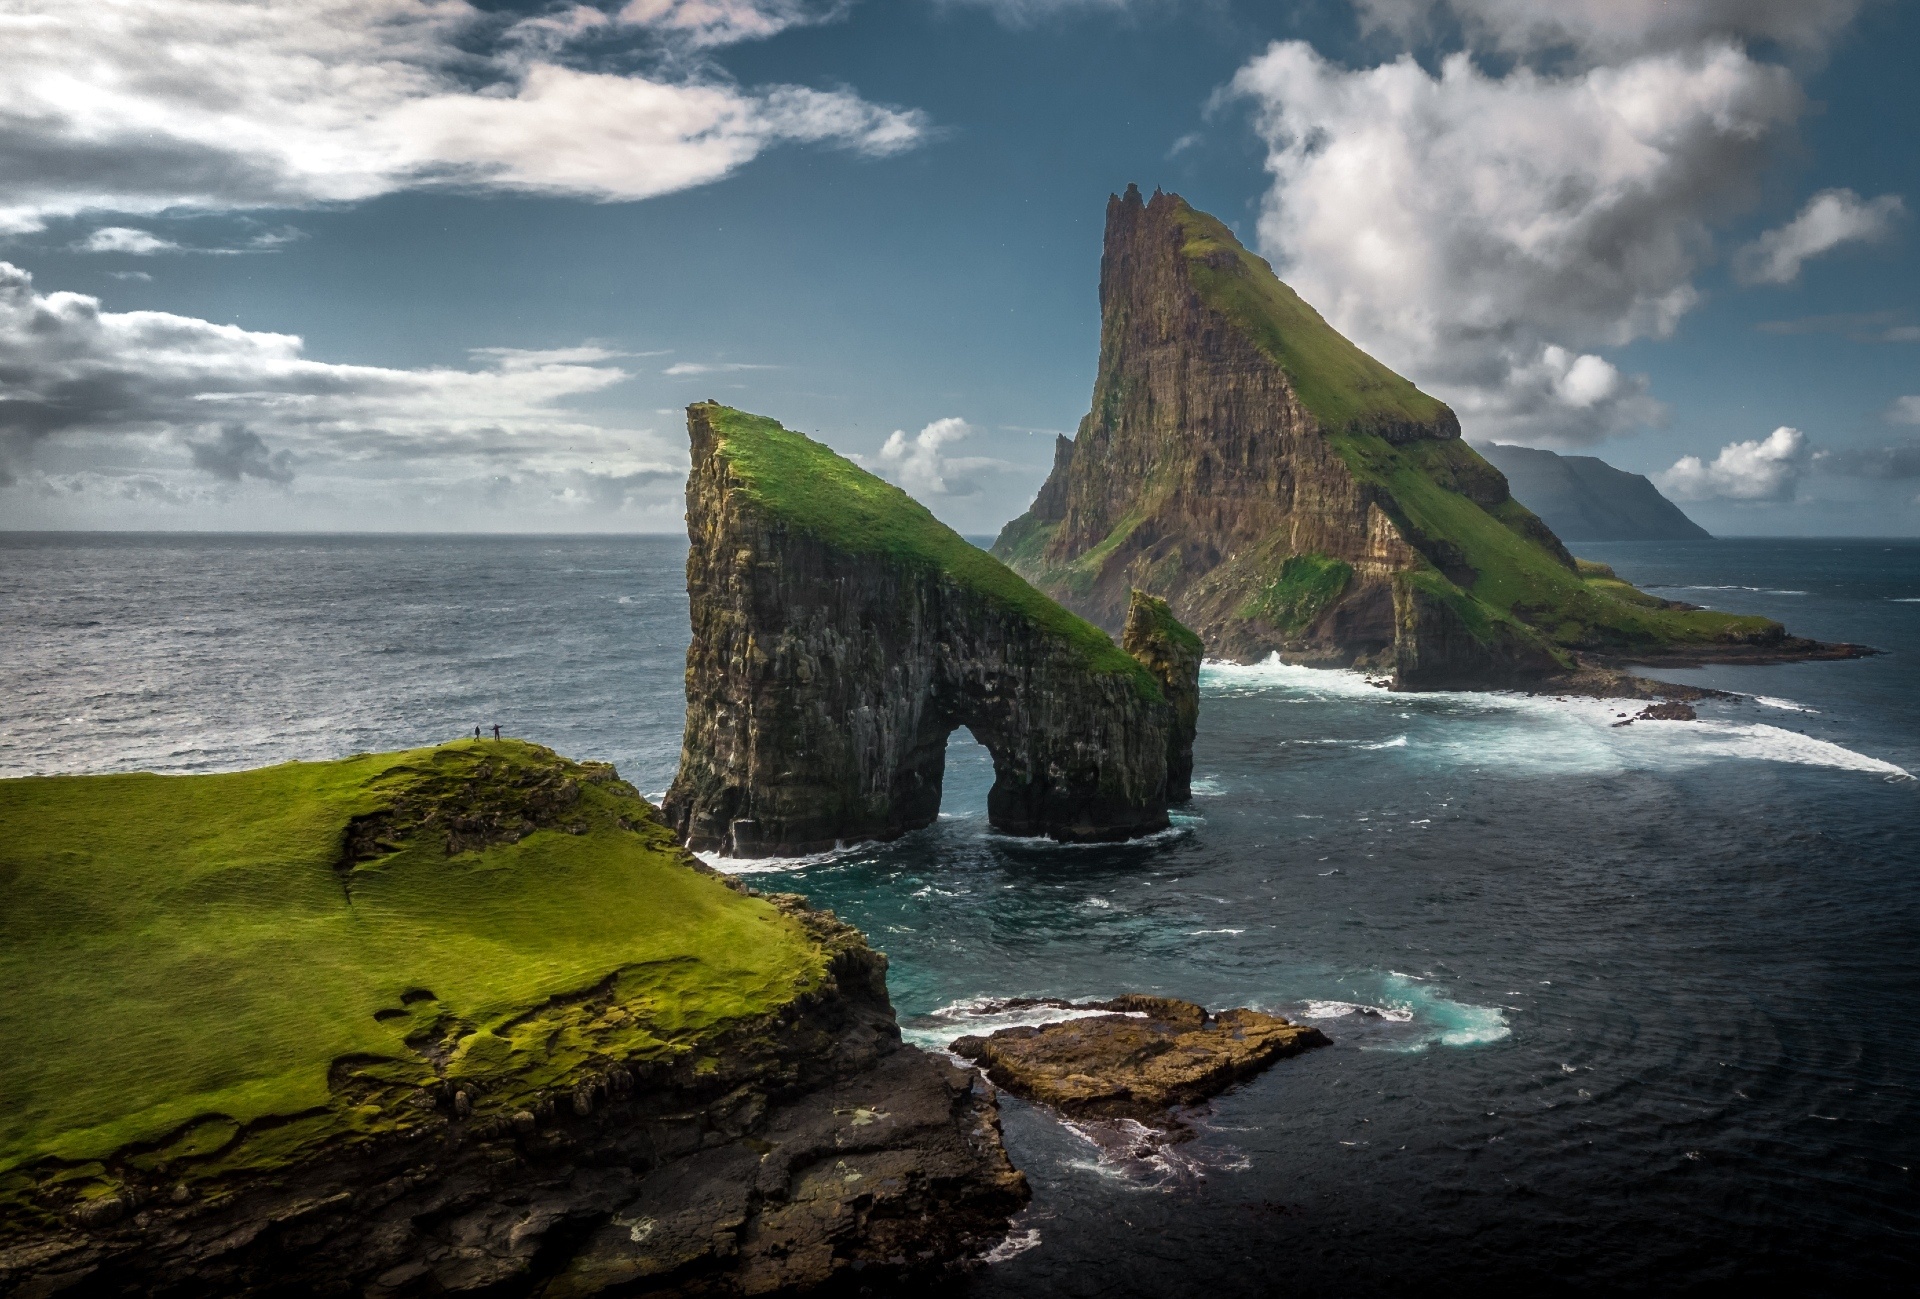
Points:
[(431, 265)]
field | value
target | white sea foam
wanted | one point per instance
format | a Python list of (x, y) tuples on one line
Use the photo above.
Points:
[(937, 1029), (1339, 1009), (1408, 1014), (1785, 705), (1544, 734), (769, 865), (1016, 1244)]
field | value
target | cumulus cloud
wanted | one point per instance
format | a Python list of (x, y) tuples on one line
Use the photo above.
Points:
[(1606, 29), (153, 396), (1831, 218), (1487, 235), (204, 104), (1766, 470), (124, 239), (238, 452), (921, 466)]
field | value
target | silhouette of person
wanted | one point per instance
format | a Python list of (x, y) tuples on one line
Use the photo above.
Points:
[(476, 732), (496, 730)]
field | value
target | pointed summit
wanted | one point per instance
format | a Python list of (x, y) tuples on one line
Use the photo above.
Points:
[(1285, 491)]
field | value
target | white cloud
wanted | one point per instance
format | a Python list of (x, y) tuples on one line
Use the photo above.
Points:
[(90, 398), (1905, 410), (1486, 235), (151, 105), (1831, 218), (921, 466), (704, 23), (679, 368), (1613, 28), (1765, 470), (124, 239)]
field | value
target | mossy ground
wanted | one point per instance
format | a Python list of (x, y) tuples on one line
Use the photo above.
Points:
[(828, 496), (200, 978), (1515, 577), (1296, 595)]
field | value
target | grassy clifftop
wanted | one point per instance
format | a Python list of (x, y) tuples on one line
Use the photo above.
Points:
[(1341, 385), (207, 974), (827, 496)]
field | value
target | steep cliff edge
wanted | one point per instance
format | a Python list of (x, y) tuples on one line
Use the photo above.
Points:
[(841, 633), (1284, 491), (462, 1020)]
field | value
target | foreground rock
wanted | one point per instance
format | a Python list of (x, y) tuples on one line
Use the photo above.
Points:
[(1149, 1057), (841, 633), (720, 1104), (1285, 492)]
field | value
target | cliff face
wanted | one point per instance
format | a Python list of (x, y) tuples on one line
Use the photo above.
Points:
[(1283, 491), (841, 633), (666, 1126), (1158, 641)]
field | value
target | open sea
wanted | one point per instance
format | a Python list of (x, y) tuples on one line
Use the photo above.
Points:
[(1613, 1008)]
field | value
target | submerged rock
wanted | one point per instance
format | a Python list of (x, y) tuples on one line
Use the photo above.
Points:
[(1286, 492), (841, 633), (1151, 1055)]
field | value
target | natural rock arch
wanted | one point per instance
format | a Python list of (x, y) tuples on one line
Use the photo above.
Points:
[(841, 634)]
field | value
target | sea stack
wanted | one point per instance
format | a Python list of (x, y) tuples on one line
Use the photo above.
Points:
[(841, 633), (1286, 492)]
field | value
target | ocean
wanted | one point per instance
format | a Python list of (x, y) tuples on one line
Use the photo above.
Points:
[(1611, 1007)]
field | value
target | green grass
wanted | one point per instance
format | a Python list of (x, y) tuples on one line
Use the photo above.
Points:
[(1343, 387), (828, 496), (1163, 623), (185, 956), (1299, 592), (1515, 575)]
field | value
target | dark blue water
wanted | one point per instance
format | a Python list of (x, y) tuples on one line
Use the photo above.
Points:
[(1612, 1007)]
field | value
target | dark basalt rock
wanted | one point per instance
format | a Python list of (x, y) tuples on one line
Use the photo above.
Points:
[(1151, 1055), (823, 678)]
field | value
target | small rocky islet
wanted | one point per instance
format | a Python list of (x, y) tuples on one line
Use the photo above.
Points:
[(475, 1020)]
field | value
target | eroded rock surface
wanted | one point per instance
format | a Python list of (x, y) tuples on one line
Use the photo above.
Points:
[(1148, 1057), (841, 633)]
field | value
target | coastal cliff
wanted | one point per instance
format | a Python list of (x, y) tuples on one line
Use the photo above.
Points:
[(841, 633), (463, 1020), (1285, 492), (1583, 498)]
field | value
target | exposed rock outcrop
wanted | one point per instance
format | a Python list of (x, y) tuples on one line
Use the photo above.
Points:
[(841, 633), (1151, 1055), (1159, 642), (1285, 492)]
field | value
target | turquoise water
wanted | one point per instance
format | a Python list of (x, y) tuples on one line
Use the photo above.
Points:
[(1612, 1007)]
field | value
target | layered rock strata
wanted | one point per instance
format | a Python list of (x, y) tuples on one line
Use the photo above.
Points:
[(841, 633), (1148, 1057), (1285, 492)]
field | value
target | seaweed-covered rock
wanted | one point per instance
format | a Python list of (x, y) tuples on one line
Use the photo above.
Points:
[(1150, 1055), (841, 633)]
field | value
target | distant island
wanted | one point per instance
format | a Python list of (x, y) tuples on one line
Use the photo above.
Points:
[(1285, 492), (1583, 498)]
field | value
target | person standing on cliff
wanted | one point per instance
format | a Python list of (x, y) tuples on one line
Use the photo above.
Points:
[(476, 732), (496, 730)]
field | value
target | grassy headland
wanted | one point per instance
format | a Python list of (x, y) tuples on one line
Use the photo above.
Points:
[(213, 973), (827, 496)]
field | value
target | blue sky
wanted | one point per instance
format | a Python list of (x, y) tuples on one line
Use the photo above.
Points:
[(385, 264)]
